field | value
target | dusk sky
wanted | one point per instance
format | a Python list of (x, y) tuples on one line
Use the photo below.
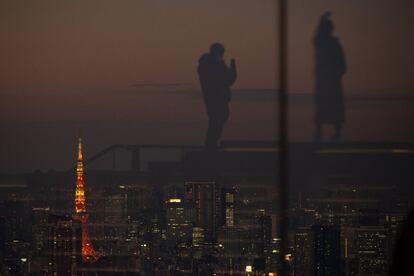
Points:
[(125, 72)]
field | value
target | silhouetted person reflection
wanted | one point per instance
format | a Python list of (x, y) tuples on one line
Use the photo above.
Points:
[(215, 79), (330, 66)]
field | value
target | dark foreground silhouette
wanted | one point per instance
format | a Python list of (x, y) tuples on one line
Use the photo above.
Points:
[(403, 259), (330, 66), (215, 79)]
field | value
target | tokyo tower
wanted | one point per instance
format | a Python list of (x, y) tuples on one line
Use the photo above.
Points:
[(88, 252)]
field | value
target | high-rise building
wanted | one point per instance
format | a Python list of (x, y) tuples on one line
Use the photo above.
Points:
[(198, 241), (372, 243), (18, 218), (88, 252), (179, 217), (227, 198), (349, 250), (304, 245), (65, 244), (394, 223), (40, 226), (327, 250), (264, 233), (205, 197)]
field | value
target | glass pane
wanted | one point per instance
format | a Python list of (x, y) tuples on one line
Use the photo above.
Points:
[(145, 191), (351, 148)]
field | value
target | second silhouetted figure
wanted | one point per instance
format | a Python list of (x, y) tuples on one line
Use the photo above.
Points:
[(215, 79), (330, 66)]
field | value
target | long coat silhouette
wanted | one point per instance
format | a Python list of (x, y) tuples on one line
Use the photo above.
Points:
[(215, 79), (330, 66)]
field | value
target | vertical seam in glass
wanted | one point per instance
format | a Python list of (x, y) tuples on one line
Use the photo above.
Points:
[(283, 134)]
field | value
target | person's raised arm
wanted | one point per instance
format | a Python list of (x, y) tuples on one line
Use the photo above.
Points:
[(232, 72)]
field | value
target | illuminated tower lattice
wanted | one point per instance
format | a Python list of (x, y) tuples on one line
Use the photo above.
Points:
[(88, 252)]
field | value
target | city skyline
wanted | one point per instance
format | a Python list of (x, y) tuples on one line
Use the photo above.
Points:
[(211, 212), (143, 137)]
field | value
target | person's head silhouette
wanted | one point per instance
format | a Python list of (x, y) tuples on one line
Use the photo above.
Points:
[(217, 50), (326, 26)]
